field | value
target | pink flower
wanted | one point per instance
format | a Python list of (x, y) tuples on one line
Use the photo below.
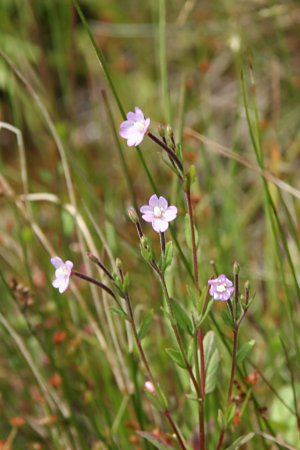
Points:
[(135, 127), (221, 288), (158, 213), (62, 273)]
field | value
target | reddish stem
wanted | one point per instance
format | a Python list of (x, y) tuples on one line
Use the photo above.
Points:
[(232, 374), (174, 428)]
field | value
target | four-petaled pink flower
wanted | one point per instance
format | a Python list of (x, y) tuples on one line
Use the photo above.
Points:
[(158, 213), (135, 127), (62, 273), (221, 288)]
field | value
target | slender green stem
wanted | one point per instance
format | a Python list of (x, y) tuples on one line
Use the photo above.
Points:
[(292, 376), (99, 56), (176, 331), (149, 372), (231, 381), (166, 412), (194, 247), (163, 60), (181, 254), (272, 211), (200, 334), (233, 364), (200, 379), (120, 150), (111, 84)]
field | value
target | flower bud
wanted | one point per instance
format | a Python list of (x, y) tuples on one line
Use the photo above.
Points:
[(132, 214), (169, 132), (162, 131), (119, 264), (92, 257), (149, 386), (236, 268)]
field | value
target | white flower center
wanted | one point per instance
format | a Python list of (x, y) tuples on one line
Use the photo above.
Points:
[(157, 212), (63, 271), (221, 288), (139, 126)]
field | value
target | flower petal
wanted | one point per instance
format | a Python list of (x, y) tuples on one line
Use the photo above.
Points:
[(162, 202), (153, 201), (125, 132), (138, 139), (132, 116), (147, 124), (57, 262), (56, 283), (132, 140), (148, 217), (64, 286), (69, 265), (146, 208), (160, 225), (139, 114), (170, 213)]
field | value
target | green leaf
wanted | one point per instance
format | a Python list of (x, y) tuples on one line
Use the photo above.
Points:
[(158, 442), (118, 285), (221, 420), (194, 296), (126, 282), (154, 399), (190, 353), (177, 357), (244, 351), (192, 397), (181, 316), (166, 258), (241, 441), (146, 253), (227, 319), (206, 312), (158, 399), (167, 313), (211, 360), (187, 231), (145, 325), (230, 413), (178, 151), (120, 312)]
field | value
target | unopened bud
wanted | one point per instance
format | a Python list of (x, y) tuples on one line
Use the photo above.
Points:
[(161, 131), (92, 257), (247, 285), (169, 131), (132, 214), (119, 263), (236, 268), (149, 386)]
